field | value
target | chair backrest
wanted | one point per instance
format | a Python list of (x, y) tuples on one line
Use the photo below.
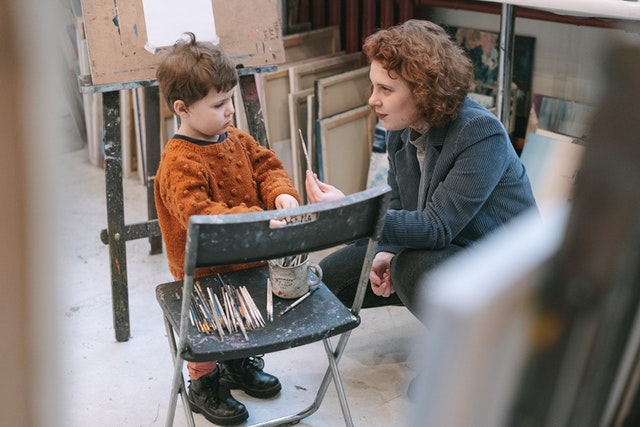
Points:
[(215, 240)]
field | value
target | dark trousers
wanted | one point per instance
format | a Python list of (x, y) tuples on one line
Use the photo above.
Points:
[(341, 271)]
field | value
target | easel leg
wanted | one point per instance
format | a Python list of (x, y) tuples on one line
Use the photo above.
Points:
[(115, 214), (152, 139), (253, 109)]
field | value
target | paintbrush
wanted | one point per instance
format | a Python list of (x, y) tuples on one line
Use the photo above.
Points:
[(269, 301), (304, 149), (311, 290)]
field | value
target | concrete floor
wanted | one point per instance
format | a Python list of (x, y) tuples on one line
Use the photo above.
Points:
[(109, 383)]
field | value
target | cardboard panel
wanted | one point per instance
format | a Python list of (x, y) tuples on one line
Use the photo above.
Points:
[(116, 36)]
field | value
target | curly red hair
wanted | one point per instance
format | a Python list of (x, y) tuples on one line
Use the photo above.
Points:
[(437, 70)]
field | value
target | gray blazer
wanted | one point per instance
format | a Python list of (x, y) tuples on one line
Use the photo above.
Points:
[(472, 182)]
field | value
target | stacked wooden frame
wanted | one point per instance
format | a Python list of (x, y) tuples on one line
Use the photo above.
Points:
[(323, 94)]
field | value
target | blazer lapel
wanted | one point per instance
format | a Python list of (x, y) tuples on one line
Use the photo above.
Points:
[(408, 173), (435, 140)]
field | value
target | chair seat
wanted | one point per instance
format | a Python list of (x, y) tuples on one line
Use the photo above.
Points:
[(306, 323)]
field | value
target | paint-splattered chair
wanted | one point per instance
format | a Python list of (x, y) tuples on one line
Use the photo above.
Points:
[(241, 238)]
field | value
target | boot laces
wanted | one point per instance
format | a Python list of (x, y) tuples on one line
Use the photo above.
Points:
[(257, 362), (215, 390)]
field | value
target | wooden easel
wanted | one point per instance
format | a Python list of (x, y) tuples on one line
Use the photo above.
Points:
[(135, 68)]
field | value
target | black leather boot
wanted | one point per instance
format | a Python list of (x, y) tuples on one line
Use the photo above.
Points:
[(213, 400), (247, 375)]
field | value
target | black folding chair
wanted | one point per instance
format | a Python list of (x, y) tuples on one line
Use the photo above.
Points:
[(218, 240)]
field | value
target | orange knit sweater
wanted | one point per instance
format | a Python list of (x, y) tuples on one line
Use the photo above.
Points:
[(232, 176)]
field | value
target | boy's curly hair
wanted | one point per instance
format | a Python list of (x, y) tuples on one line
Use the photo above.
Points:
[(191, 69), (437, 70)]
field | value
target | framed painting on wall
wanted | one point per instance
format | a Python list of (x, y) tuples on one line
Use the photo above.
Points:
[(483, 49)]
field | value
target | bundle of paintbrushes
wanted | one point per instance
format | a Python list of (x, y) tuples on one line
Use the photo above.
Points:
[(292, 261), (229, 311)]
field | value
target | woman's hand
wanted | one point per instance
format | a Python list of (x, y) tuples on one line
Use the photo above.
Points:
[(318, 191), (380, 274)]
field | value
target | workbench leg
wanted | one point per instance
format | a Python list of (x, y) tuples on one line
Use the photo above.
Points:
[(115, 214), (252, 108)]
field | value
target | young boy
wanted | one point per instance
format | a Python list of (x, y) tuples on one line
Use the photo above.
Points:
[(210, 167)]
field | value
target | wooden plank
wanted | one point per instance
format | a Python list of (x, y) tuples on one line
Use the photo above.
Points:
[(311, 44), (318, 13), (298, 119), (274, 91), (311, 135), (368, 17), (405, 10), (335, 12), (341, 92), (352, 35), (387, 15), (303, 76)]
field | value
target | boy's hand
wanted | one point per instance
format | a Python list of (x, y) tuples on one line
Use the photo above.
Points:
[(276, 223), (285, 201)]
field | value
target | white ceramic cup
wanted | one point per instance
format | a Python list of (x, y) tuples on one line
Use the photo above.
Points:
[(293, 281)]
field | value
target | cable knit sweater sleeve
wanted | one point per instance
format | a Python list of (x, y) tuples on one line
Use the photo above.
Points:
[(234, 176), (269, 174)]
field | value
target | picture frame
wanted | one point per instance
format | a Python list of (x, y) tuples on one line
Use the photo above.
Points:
[(344, 144), (299, 116), (274, 90), (342, 92), (303, 76), (311, 44)]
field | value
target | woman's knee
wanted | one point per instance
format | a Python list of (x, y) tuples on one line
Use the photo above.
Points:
[(341, 269), (408, 268)]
